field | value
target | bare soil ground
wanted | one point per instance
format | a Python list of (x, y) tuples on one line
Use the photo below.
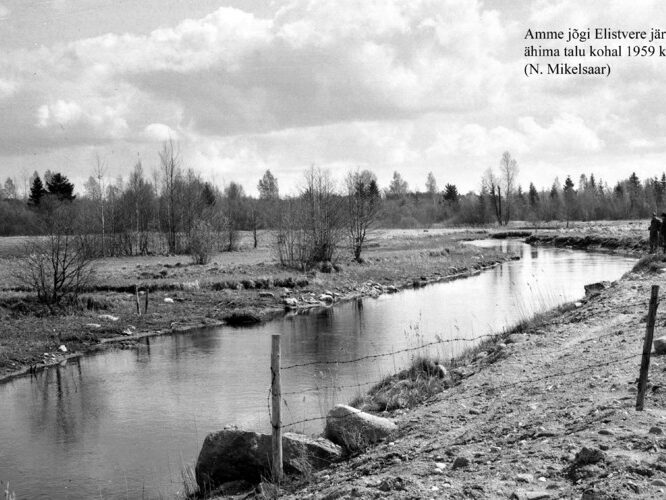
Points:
[(548, 415), (247, 285)]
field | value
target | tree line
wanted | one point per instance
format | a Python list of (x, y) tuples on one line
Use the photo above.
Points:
[(174, 210)]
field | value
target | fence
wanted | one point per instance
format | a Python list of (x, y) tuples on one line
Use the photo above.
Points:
[(276, 395)]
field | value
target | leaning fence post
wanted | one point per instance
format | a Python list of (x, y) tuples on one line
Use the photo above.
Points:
[(276, 396), (647, 348), (136, 295)]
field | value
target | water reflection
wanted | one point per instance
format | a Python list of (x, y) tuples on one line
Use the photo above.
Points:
[(123, 424)]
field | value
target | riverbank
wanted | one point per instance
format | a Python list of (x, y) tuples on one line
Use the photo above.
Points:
[(624, 237), (237, 287), (548, 414)]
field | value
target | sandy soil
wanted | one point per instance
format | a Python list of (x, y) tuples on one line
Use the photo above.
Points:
[(550, 415)]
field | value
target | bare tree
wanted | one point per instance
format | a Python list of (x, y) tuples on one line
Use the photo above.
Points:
[(234, 198), (324, 215), (57, 266), (509, 172), (431, 185), (170, 165), (490, 184), (311, 227), (363, 203), (99, 171)]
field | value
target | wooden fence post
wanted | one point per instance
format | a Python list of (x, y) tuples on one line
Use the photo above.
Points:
[(647, 348), (145, 303), (276, 396), (136, 294)]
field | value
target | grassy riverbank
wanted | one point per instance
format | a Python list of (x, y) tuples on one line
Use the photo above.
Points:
[(247, 285), (543, 413)]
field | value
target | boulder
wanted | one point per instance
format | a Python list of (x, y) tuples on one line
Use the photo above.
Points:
[(354, 429), (233, 455), (324, 297), (596, 288), (290, 302), (266, 295), (660, 345)]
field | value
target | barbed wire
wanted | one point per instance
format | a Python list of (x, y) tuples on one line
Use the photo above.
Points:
[(392, 353), (423, 346), (503, 387)]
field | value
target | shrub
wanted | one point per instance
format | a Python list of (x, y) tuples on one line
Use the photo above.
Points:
[(202, 242)]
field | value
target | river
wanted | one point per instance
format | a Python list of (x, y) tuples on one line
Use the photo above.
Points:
[(125, 423)]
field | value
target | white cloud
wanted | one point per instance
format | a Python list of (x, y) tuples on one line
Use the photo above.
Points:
[(4, 12), (408, 85), (160, 132), (566, 133)]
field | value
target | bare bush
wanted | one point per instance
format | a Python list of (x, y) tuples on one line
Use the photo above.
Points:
[(363, 203), (57, 266), (312, 226), (203, 242), (291, 240)]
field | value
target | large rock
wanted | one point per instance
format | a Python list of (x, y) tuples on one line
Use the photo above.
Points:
[(354, 429), (594, 289), (660, 345), (232, 454)]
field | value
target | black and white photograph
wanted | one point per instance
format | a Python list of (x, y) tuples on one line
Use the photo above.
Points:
[(332, 249)]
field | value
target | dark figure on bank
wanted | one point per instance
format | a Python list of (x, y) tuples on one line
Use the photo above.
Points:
[(662, 231), (656, 228)]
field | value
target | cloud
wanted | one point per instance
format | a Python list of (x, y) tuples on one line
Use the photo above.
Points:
[(230, 72), (408, 85), (160, 132), (565, 133), (4, 12)]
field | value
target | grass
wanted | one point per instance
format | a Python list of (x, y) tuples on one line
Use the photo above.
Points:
[(427, 377), (226, 289), (652, 263)]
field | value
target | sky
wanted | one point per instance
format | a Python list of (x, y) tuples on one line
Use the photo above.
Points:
[(243, 86)]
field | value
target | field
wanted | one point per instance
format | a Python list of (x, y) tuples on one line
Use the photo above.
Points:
[(243, 286)]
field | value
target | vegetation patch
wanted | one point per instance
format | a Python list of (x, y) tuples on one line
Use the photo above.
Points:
[(652, 263)]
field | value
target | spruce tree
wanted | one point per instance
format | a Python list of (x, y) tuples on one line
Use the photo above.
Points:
[(59, 186), (37, 191)]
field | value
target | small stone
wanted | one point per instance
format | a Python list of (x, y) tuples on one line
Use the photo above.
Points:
[(660, 345), (524, 478), (658, 482), (62, 348), (460, 462), (656, 430), (440, 465), (606, 432), (537, 495), (474, 411), (168, 300)]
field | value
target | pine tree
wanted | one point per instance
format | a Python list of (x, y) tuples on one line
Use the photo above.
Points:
[(37, 191), (60, 187)]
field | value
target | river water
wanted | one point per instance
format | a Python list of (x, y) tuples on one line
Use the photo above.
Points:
[(125, 423)]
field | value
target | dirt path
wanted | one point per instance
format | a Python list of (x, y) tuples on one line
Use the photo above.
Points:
[(553, 418)]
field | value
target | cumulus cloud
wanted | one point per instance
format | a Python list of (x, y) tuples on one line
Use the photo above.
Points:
[(312, 63), (410, 85)]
